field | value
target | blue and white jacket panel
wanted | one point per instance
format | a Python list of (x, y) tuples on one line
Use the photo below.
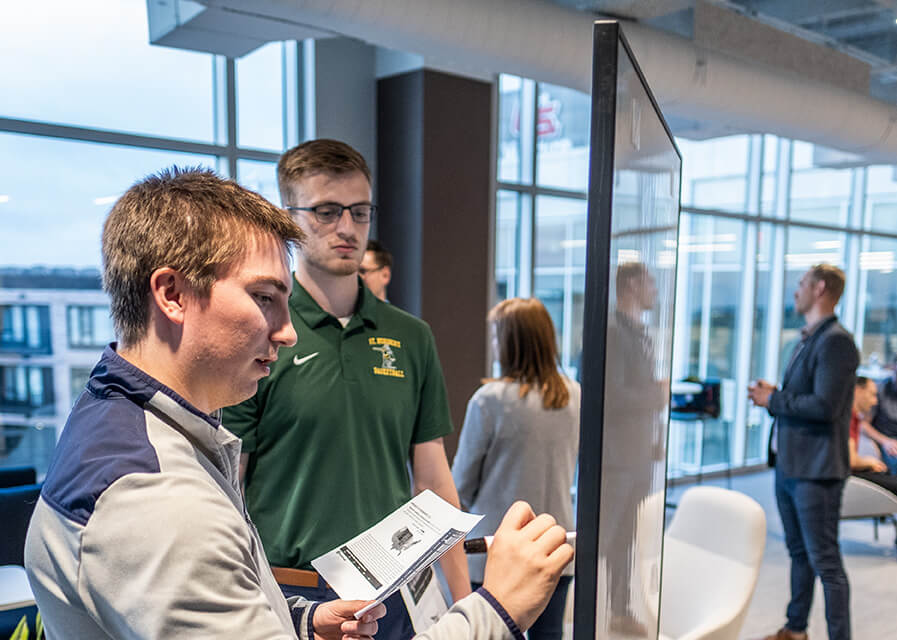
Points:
[(141, 531)]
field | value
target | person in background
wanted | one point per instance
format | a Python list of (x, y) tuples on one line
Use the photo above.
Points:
[(882, 428), (376, 269), (357, 400), (520, 438), (810, 451), (867, 467)]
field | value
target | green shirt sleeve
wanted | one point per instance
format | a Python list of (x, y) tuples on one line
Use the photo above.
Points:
[(433, 418), (242, 420)]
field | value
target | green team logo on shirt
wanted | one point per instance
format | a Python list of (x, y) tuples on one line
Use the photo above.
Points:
[(385, 346)]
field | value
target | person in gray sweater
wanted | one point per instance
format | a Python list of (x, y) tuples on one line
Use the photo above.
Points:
[(521, 437)]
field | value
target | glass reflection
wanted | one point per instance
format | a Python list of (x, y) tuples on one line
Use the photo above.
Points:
[(645, 210)]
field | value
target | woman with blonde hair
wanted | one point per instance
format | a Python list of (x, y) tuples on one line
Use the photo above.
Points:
[(520, 438)]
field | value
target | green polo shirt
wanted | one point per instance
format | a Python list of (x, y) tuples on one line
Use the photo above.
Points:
[(330, 430)]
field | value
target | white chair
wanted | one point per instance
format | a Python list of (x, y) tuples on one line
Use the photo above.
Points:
[(865, 499), (712, 552)]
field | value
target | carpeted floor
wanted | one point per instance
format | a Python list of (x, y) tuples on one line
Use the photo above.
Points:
[(871, 568)]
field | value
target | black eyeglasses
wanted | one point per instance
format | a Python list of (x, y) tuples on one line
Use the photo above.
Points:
[(364, 271), (330, 212)]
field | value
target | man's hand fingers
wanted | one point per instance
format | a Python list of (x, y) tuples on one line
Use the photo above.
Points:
[(358, 629), (551, 539), (537, 526), (517, 516), (561, 557)]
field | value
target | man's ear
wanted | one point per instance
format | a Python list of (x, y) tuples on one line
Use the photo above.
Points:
[(387, 273), (168, 290), (819, 288)]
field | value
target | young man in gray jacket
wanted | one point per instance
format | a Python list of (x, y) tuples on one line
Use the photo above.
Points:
[(141, 530)]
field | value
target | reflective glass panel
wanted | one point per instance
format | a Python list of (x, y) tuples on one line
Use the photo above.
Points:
[(637, 354)]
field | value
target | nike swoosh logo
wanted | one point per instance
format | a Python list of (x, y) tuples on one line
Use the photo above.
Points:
[(297, 360)]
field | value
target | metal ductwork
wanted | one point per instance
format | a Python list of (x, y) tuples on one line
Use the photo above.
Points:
[(550, 43)]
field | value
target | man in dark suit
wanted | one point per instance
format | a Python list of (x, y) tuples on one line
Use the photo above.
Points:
[(811, 415)]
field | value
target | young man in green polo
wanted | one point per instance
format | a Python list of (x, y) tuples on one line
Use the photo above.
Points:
[(359, 397)]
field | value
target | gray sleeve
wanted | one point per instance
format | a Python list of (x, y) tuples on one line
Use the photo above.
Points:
[(479, 616), (476, 436), (163, 556), (834, 371)]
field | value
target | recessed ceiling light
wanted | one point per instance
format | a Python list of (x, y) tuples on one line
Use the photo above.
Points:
[(4, 199)]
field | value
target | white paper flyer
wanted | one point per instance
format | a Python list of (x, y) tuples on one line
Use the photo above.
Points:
[(377, 562)]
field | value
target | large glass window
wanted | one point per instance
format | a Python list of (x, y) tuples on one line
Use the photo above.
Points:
[(25, 329), (757, 213), (88, 108), (513, 215), (878, 295), (714, 173), (64, 223), (560, 242), (562, 132), (89, 326), (26, 389), (515, 130), (23, 444), (259, 176), (261, 98), (88, 63)]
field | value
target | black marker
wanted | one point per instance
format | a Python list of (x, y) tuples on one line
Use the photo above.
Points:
[(481, 545)]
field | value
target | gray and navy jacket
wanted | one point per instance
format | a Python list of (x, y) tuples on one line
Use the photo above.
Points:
[(141, 531)]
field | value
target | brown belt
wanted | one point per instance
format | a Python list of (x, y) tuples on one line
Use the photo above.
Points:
[(296, 577)]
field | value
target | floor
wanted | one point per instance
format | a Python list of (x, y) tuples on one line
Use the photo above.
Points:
[(871, 568)]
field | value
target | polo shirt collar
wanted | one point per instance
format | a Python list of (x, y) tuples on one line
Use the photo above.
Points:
[(314, 316)]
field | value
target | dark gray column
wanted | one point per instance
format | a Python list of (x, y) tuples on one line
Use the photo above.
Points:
[(433, 157)]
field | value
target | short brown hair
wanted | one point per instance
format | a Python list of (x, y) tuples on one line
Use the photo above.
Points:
[(318, 156), (382, 256), (188, 219), (628, 273), (527, 351), (832, 276)]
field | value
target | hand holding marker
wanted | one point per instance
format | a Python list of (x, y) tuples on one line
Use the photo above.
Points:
[(481, 545)]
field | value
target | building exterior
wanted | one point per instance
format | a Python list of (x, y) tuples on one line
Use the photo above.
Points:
[(53, 325)]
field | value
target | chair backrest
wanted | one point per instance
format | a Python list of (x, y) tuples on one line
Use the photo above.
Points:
[(17, 476), (711, 559), (16, 507), (864, 499)]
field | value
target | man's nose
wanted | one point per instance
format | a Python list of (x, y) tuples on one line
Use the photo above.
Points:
[(345, 224), (285, 334)]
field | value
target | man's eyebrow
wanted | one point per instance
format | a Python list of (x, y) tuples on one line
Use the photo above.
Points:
[(274, 282)]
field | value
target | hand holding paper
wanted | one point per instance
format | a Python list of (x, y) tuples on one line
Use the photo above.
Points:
[(377, 562), (335, 620)]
